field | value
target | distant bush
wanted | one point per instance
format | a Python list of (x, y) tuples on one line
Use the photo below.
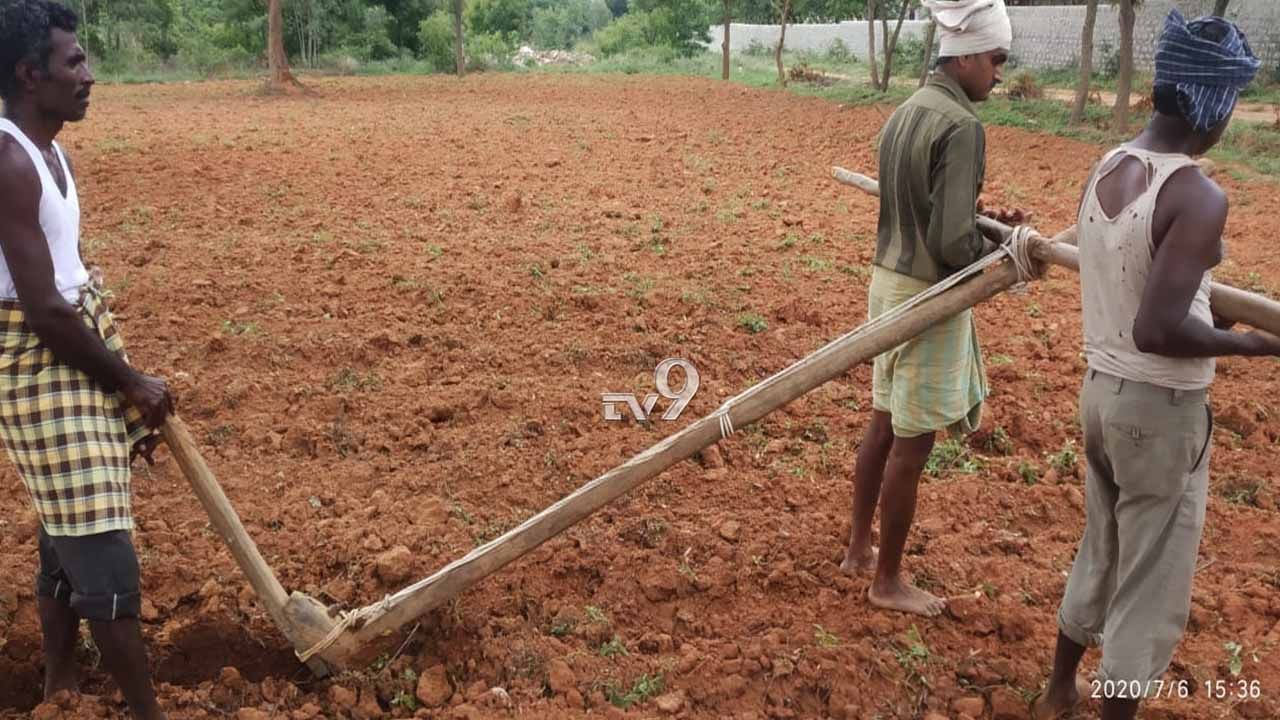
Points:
[(499, 17), (678, 24), (207, 59), (488, 51), (435, 38), (629, 32), (560, 26), (1109, 68), (758, 49), (373, 42), (838, 52), (908, 57)]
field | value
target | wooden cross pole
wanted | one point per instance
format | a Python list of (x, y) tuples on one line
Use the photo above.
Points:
[(361, 641), (1226, 302), (359, 636)]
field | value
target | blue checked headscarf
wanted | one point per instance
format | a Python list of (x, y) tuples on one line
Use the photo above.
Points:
[(1209, 61)]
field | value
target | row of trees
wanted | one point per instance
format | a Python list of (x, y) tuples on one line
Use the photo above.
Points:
[(208, 35), (205, 34)]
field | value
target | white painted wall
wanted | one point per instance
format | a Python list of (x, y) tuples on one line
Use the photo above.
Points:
[(1043, 37)]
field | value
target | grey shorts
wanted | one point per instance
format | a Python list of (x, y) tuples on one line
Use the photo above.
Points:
[(95, 575), (1146, 489)]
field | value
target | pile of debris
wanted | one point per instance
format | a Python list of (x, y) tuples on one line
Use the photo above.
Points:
[(804, 73), (527, 56)]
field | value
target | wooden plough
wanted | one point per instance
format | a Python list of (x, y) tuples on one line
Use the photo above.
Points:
[(327, 640)]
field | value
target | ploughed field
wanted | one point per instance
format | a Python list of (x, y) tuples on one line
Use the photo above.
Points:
[(389, 312)]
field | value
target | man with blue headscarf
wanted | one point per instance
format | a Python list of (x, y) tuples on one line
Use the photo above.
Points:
[(1150, 232)]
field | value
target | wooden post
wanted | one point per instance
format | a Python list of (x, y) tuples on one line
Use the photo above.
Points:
[(243, 549)]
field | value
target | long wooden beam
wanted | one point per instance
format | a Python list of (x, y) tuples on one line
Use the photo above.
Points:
[(309, 625), (1227, 302), (830, 362)]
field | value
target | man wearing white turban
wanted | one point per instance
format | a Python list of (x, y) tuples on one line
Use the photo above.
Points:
[(970, 27), (932, 163)]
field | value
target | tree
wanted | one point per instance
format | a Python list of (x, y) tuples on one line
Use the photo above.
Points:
[(1220, 8), (784, 11), (871, 43), (881, 82), (279, 78), (891, 44), (929, 34), (1120, 114), (724, 46), (458, 58), (1086, 63)]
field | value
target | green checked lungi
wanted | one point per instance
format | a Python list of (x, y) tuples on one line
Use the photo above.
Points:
[(934, 381)]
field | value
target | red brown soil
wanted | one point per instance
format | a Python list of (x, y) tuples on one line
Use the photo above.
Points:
[(389, 312)]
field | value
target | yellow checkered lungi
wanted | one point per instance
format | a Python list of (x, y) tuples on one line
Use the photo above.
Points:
[(69, 438), (936, 380)]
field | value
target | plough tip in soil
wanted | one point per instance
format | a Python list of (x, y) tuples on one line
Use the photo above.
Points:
[(325, 640)]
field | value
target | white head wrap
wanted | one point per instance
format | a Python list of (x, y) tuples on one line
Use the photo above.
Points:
[(970, 27)]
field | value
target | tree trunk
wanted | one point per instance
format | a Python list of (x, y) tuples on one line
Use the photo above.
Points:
[(929, 34), (1120, 115), (891, 42), (459, 59), (871, 43), (279, 78), (1220, 8), (1086, 63), (728, 18), (782, 41)]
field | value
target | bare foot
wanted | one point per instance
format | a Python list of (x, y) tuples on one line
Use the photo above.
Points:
[(1052, 706), (902, 596), (856, 563)]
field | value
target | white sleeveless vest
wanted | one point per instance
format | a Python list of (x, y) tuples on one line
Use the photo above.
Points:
[(1115, 261), (59, 219)]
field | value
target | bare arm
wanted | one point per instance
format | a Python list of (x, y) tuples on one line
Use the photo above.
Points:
[(1190, 247), (57, 323)]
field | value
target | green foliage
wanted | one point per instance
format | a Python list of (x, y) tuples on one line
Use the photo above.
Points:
[(489, 51), (1235, 659), (645, 687), (1029, 472), (1064, 461), (508, 18), (838, 52), (629, 32), (564, 24), (951, 456), (908, 56), (373, 40), (825, 638), (614, 648), (435, 38), (752, 323), (680, 25)]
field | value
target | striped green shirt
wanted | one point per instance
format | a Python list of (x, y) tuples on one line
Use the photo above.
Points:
[(932, 162)]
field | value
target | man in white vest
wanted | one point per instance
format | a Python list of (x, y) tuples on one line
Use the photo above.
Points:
[(73, 412), (1150, 234)]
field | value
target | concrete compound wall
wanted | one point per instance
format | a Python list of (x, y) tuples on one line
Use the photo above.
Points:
[(1043, 37), (813, 38)]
